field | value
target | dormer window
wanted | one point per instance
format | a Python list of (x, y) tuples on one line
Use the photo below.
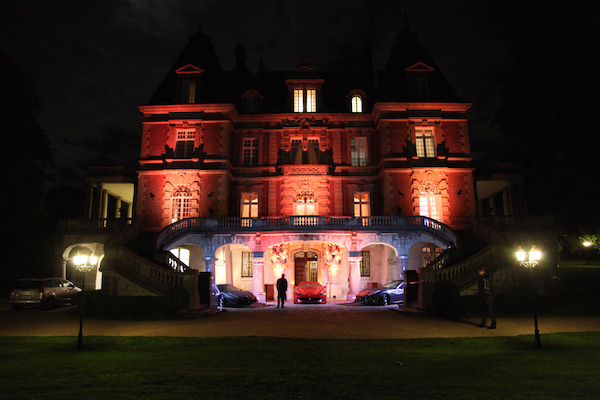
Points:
[(305, 100), (252, 101), (356, 101), (303, 88), (356, 104), (189, 91), (420, 81), (189, 78)]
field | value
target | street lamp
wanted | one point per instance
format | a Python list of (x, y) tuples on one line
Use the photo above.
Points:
[(530, 260), (83, 263)]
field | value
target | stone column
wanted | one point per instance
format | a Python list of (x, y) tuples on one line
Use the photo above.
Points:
[(354, 271), (258, 279)]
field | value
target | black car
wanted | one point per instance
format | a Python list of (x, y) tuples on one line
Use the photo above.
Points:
[(226, 295), (389, 293)]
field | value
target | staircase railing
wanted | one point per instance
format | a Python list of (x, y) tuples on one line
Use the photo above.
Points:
[(155, 278)]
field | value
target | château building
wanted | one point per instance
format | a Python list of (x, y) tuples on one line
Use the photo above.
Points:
[(349, 178)]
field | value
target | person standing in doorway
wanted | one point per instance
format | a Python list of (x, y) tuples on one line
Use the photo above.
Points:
[(486, 294), (282, 285)]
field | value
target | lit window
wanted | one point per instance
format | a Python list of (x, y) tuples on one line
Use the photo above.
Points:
[(311, 100), (189, 91), (365, 263), (302, 104), (356, 103), (358, 152), (305, 203), (362, 204), (429, 206), (250, 152), (249, 207), (426, 256), (298, 100), (182, 254), (181, 204), (184, 147), (425, 142), (247, 265)]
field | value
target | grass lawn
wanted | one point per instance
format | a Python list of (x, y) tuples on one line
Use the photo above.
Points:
[(567, 367)]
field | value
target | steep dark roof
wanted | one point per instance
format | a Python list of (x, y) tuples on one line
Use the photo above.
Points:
[(229, 86), (407, 52), (200, 53)]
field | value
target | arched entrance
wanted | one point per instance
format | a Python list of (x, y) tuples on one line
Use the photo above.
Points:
[(305, 267)]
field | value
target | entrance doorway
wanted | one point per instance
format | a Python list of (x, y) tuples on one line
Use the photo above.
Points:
[(305, 267)]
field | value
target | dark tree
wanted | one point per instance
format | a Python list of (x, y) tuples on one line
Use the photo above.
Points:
[(26, 153), (550, 101)]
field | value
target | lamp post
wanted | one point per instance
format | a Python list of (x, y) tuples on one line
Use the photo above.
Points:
[(530, 260), (587, 244), (83, 263)]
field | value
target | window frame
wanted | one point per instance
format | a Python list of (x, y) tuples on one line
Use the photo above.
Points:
[(359, 201), (247, 267), (425, 141), (305, 100), (185, 143), (359, 151), (365, 263), (181, 204), (250, 146), (356, 104)]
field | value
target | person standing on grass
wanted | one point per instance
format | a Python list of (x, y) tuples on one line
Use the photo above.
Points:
[(486, 294), (282, 285)]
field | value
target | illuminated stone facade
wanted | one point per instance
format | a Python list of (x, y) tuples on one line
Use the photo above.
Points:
[(353, 182)]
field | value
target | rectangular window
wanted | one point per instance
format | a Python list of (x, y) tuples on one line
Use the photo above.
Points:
[(182, 254), (429, 206), (426, 256), (250, 152), (305, 104), (358, 151), (189, 92), (184, 147), (181, 208), (422, 88), (362, 204), (425, 142), (311, 100), (247, 265), (365, 263), (249, 205), (298, 100)]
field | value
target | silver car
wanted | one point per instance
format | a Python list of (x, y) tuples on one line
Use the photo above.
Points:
[(42, 292)]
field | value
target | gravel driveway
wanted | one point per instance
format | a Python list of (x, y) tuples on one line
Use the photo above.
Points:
[(335, 320)]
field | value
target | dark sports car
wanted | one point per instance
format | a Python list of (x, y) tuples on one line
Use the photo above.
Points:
[(388, 293), (310, 292), (226, 295)]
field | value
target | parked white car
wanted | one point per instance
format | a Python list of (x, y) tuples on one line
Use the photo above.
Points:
[(43, 292)]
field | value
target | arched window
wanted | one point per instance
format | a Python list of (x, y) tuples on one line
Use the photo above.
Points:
[(356, 104), (305, 203), (181, 204)]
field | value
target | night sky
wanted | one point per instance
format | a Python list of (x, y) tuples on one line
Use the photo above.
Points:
[(94, 62)]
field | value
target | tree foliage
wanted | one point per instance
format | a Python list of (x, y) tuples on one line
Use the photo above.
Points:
[(548, 98), (27, 153)]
